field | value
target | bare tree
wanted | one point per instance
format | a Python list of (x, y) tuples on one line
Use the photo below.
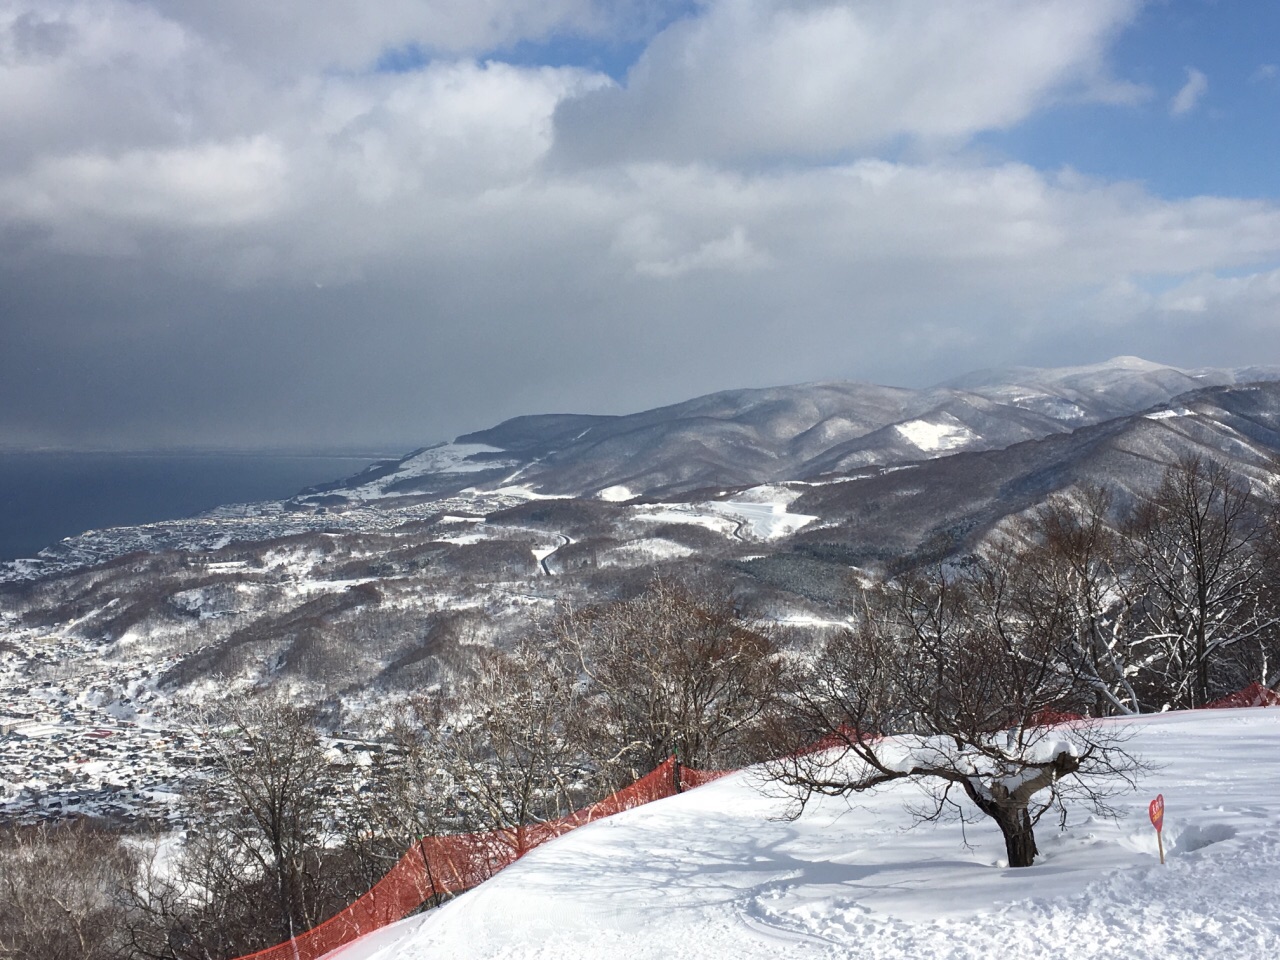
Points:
[(265, 858), (1074, 581), (1197, 549), (60, 893), (270, 783), (673, 672), (409, 793), (946, 683), (513, 757)]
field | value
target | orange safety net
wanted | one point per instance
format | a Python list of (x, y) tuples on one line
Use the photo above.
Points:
[(457, 862), (1254, 695)]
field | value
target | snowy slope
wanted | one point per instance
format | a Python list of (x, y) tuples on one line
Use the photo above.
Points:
[(710, 875)]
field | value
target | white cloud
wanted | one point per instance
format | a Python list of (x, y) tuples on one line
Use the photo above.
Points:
[(1186, 99), (454, 127), (422, 235), (653, 256), (818, 78), (104, 74), (1252, 299), (207, 186), (1265, 72)]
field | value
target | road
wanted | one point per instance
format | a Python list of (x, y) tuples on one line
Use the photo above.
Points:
[(564, 542)]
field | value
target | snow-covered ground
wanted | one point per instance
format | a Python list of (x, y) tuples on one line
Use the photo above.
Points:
[(758, 513), (712, 874), (443, 458)]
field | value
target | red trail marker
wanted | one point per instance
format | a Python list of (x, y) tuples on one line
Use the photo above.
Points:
[(1156, 812)]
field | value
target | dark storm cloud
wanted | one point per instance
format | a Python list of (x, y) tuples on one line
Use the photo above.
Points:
[(202, 245)]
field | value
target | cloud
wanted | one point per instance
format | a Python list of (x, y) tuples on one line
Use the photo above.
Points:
[(209, 185), (1187, 99), (1265, 72), (641, 241), (606, 291), (210, 234), (819, 78), (290, 35)]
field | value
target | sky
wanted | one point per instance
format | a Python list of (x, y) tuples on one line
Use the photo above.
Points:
[(339, 225)]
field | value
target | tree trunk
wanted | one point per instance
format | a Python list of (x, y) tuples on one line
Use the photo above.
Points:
[(1014, 820), (1019, 835)]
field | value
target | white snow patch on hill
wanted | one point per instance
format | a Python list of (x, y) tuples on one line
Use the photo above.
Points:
[(444, 458), (932, 437), (764, 521), (616, 494), (646, 550), (759, 513), (712, 874), (519, 491), (450, 458)]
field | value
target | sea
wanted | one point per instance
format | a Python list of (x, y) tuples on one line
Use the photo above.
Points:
[(45, 497)]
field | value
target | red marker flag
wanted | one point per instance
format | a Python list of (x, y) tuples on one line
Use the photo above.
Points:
[(1156, 812)]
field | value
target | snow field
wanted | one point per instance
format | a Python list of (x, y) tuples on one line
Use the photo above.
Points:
[(616, 494), (932, 437), (758, 513), (714, 874), (447, 458)]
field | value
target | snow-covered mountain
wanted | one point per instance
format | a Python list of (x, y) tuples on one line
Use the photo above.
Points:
[(947, 504), (380, 585), (747, 437), (714, 874)]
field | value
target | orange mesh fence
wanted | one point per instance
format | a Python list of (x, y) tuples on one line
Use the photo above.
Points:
[(1254, 695), (457, 862)]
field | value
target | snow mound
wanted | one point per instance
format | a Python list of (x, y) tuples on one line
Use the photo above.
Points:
[(714, 874)]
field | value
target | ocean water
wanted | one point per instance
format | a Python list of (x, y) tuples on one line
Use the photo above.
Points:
[(47, 496)]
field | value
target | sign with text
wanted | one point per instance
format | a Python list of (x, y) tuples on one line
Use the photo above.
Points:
[(1156, 812)]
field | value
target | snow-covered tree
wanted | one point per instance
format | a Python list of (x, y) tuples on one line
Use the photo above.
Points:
[(1069, 561), (949, 684), (264, 858), (511, 756), (60, 892), (1199, 552)]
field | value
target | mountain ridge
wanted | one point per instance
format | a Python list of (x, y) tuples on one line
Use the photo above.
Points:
[(385, 587), (771, 434)]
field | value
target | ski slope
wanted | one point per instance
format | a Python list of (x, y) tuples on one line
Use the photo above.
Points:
[(714, 874)]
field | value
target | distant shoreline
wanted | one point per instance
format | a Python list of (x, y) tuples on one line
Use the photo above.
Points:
[(46, 496)]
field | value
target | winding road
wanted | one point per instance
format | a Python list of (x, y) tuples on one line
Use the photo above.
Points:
[(542, 561)]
